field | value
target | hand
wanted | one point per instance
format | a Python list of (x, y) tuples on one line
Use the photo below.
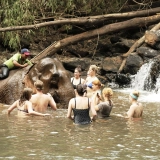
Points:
[(24, 65), (46, 114)]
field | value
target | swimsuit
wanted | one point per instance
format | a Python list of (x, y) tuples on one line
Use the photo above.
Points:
[(81, 116), (104, 109), (26, 111), (75, 86)]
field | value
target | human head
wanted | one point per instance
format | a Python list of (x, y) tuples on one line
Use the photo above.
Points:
[(25, 51), (133, 96), (96, 84), (26, 94), (77, 71), (81, 89), (39, 85), (93, 69), (107, 92)]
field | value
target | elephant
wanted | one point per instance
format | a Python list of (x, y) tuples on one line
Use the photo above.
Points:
[(50, 71)]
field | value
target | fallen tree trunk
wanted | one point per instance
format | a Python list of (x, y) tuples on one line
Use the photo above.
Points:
[(133, 23), (134, 47), (85, 20)]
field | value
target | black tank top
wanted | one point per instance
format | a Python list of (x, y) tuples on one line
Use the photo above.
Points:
[(75, 86), (81, 116)]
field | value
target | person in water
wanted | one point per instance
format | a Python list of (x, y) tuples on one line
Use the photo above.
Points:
[(19, 60), (80, 106), (23, 105), (96, 97), (41, 101), (104, 107), (91, 76), (77, 77), (136, 108)]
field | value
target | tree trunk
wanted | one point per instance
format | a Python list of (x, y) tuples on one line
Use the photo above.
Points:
[(134, 47), (86, 20), (133, 23)]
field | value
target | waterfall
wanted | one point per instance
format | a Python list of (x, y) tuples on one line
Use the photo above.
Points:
[(143, 80)]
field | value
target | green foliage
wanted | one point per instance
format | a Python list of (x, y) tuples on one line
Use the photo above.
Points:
[(25, 12)]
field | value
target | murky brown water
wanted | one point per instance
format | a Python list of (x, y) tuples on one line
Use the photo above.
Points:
[(57, 138)]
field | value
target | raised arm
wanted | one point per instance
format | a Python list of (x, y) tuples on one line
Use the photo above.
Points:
[(12, 107)]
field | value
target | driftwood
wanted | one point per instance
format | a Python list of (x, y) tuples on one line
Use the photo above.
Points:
[(133, 23), (134, 47), (86, 20)]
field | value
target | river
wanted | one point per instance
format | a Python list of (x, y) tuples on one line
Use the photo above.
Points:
[(56, 138)]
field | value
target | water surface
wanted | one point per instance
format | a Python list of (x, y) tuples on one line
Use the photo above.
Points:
[(57, 138)]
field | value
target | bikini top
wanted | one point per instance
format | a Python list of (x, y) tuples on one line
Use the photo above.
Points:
[(75, 86), (22, 110)]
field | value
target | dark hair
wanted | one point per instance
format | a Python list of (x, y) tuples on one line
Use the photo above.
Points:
[(26, 95), (78, 68), (81, 89)]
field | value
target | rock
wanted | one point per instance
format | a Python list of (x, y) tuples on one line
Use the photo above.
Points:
[(111, 64), (147, 52), (133, 63)]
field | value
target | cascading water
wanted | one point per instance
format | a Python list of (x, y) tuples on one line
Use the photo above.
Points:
[(143, 79)]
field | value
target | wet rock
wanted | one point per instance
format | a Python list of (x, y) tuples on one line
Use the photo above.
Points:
[(147, 52), (133, 63), (123, 79)]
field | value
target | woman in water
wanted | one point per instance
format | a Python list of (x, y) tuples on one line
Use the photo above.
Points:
[(104, 108), (136, 108), (91, 76), (77, 77), (23, 104), (80, 106)]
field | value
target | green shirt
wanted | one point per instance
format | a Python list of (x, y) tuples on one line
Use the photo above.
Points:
[(16, 57)]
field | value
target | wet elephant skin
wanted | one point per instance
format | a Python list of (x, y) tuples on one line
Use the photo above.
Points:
[(54, 76)]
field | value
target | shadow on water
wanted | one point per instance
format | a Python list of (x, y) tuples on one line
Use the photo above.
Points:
[(56, 137)]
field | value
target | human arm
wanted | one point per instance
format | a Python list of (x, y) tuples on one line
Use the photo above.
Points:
[(52, 103), (130, 112), (32, 112), (12, 107), (19, 65), (70, 110), (94, 113)]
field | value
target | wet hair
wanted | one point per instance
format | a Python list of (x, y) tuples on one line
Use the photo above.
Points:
[(97, 82), (134, 94), (107, 92), (94, 68), (81, 89), (26, 95), (39, 85)]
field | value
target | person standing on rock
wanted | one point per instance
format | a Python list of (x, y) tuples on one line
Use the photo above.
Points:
[(19, 60)]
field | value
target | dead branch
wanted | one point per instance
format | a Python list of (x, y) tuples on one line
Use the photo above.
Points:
[(135, 22), (135, 46), (85, 20)]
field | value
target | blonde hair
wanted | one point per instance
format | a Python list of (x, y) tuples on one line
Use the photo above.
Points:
[(134, 94), (97, 82), (107, 92), (39, 85), (94, 68)]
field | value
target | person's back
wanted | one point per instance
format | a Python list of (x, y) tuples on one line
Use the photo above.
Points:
[(104, 109), (80, 106), (138, 110), (41, 101)]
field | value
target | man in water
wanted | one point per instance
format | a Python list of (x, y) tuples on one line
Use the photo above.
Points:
[(19, 60), (41, 101)]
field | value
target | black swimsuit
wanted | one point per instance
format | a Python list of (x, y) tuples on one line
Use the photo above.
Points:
[(81, 116), (75, 86)]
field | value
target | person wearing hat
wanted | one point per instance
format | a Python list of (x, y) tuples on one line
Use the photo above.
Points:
[(18, 60)]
